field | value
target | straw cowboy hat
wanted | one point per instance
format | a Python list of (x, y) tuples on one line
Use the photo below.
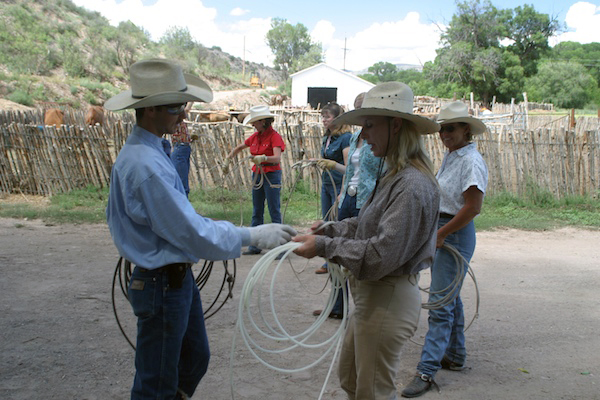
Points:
[(159, 82), (257, 113), (389, 99), (458, 112)]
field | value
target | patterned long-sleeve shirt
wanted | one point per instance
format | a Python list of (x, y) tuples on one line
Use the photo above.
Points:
[(394, 233)]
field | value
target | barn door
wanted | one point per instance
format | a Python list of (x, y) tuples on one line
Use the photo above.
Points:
[(319, 96)]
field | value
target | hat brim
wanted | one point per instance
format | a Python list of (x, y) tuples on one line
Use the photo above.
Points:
[(249, 119), (197, 90), (355, 117), (477, 126)]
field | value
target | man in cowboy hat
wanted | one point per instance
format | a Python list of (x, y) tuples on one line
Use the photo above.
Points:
[(154, 226)]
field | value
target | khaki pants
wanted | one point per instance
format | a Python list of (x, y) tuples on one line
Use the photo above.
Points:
[(386, 314)]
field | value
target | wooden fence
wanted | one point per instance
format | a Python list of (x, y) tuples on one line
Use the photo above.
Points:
[(45, 160)]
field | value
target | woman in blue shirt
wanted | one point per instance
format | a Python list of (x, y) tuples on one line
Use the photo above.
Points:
[(362, 172), (336, 144)]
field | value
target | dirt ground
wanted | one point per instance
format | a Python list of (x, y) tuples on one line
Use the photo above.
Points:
[(537, 335)]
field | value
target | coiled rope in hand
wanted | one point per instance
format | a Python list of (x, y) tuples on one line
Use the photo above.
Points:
[(269, 326)]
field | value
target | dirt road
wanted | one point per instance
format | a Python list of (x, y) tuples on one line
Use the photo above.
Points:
[(537, 335)]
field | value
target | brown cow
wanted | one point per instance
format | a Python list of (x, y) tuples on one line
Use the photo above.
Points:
[(240, 117), (278, 99), (54, 116), (95, 115), (212, 117)]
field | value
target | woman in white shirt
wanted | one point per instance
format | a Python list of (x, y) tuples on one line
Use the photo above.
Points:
[(463, 179)]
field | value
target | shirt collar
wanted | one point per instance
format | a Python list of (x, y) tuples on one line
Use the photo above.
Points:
[(147, 137), (268, 130), (464, 150)]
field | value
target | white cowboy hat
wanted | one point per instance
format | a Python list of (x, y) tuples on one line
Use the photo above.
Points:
[(257, 113), (159, 82), (390, 99), (458, 112)]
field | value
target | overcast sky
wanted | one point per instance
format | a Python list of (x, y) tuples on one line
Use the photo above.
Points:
[(388, 30)]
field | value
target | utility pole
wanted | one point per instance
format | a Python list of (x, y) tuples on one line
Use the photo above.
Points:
[(345, 48), (244, 59)]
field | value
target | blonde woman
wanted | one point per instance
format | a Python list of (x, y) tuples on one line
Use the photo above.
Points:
[(386, 245)]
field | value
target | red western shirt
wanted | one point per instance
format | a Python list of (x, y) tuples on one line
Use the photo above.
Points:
[(263, 143)]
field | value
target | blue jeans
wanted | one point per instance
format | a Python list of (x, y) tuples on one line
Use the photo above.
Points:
[(181, 159), (172, 347), (328, 197), (347, 210), (270, 190), (446, 325)]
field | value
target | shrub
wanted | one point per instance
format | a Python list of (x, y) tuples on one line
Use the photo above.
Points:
[(19, 96)]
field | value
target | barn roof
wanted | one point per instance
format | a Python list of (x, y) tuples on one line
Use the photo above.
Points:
[(323, 65)]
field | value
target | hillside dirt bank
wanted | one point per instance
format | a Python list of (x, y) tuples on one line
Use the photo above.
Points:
[(536, 336)]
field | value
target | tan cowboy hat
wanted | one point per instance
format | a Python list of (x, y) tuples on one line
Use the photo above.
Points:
[(257, 113), (389, 99), (159, 82), (457, 111)]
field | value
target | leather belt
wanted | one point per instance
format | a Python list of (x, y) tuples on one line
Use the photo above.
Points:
[(268, 164), (168, 267), (444, 215), (175, 273)]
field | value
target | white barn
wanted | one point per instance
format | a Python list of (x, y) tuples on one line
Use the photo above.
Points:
[(320, 84)]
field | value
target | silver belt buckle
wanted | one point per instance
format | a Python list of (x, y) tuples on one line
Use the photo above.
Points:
[(352, 191)]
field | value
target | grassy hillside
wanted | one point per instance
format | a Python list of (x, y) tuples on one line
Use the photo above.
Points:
[(55, 51)]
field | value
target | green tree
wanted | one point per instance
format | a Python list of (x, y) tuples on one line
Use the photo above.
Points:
[(587, 55), (528, 31), (470, 56), (512, 78), (128, 40), (178, 44), (475, 54), (308, 59), (384, 71), (564, 84), (290, 43)]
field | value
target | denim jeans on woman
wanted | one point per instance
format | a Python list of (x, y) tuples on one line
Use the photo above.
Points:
[(446, 325), (172, 347), (270, 191), (181, 159), (328, 198), (347, 210)]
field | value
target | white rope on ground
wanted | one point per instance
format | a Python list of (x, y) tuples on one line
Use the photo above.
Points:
[(275, 331)]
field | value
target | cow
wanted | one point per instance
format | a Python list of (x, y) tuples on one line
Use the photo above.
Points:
[(212, 117), (278, 99), (240, 117), (94, 115), (54, 116)]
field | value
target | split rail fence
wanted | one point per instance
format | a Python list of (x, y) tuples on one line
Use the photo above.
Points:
[(44, 160)]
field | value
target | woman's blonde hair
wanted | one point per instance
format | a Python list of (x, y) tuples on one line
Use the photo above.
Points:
[(405, 148)]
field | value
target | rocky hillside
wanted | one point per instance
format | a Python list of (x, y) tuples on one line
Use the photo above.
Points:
[(56, 52)]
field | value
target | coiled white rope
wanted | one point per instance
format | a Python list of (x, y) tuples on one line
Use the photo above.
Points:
[(453, 289), (270, 326)]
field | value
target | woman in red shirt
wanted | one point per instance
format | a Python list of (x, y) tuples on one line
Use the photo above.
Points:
[(266, 146)]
